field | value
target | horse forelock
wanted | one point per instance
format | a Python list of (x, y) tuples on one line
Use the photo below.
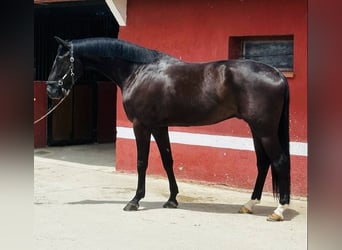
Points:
[(115, 48)]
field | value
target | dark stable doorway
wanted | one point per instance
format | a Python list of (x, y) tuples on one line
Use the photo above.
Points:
[(88, 114)]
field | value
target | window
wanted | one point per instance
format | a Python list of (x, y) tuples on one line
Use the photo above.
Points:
[(273, 50)]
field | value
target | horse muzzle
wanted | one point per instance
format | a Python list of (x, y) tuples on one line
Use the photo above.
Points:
[(56, 92)]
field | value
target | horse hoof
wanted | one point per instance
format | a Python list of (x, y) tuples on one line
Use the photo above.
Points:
[(274, 217), (244, 210), (170, 204), (131, 207)]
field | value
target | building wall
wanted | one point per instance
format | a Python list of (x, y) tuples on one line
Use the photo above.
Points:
[(199, 31), (40, 106)]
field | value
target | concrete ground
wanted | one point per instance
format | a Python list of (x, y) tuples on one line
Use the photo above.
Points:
[(79, 200)]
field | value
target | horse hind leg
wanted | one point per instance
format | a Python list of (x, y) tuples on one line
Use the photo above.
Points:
[(280, 164), (263, 164), (161, 136)]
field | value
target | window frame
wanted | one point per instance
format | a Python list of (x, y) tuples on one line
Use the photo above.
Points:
[(237, 44)]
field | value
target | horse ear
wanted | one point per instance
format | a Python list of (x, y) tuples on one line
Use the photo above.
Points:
[(64, 43)]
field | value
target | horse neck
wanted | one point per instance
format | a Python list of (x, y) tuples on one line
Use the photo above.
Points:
[(116, 70)]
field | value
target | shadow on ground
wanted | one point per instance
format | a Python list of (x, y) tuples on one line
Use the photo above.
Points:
[(100, 154), (193, 206)]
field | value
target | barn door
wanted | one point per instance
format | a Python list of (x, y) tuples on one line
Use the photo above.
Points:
[(74, 121)]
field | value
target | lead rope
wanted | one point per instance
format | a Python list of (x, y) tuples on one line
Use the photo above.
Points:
[(53, 108)]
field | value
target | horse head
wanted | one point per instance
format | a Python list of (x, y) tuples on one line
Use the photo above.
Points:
[(66, 69)]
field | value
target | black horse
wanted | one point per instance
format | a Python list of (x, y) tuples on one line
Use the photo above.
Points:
[(160, 91)]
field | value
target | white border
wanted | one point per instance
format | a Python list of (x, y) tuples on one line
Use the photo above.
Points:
[(119, 10), (216, 141)]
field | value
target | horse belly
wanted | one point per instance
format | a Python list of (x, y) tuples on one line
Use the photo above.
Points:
[(197, 115)]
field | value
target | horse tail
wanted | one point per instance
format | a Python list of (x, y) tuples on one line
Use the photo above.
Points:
[(284, 139), (284, 126)]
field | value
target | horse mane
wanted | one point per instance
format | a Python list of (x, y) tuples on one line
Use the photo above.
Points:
[(115, 48)]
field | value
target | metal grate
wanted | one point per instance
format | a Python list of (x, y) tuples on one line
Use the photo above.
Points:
[(69, 21)]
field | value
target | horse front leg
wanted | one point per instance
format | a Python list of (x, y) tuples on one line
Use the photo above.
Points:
[(161, 136), (142, 136)]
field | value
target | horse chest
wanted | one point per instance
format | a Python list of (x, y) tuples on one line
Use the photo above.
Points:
[(142, 106)]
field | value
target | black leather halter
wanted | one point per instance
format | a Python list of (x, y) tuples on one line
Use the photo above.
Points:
[(70, 71), (60, 82)]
